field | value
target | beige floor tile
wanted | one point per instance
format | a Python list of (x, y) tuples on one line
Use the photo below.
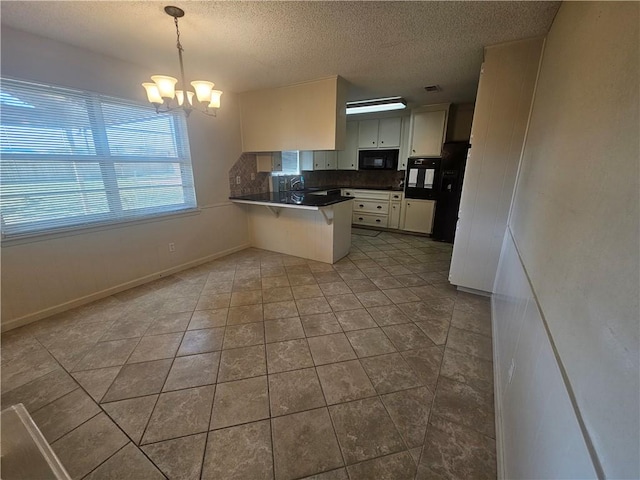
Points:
[(138, 379), (129, 462), (399, 466), (390, 373), (304, 444), (283, 329), (202, 341), (330, 348), (239, 402), (364, 430), (344, 381), (86, 447), (239, 453), (289, 355), (243, 362), (369, 342), (132, 415), (180, 413), (156, 347), (355, 319), (180, 457), (244, 335), (64, 414), (193, 371), (294, 391)]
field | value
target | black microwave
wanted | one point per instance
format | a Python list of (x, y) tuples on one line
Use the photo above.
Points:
[(378, 159)]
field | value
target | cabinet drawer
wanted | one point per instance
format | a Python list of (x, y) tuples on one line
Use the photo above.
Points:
[(369, 219), (370, 206), (366, 194)]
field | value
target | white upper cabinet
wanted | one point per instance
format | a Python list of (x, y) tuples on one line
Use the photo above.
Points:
[(269, 162), (318, 160), (428, 128), (389, 132), (348, 158), (379, 133), (305, 116)]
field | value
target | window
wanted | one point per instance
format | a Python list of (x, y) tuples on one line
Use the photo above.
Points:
[(70, 158), (290, 163)]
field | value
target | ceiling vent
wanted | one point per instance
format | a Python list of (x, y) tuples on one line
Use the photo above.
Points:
[(433, 88)]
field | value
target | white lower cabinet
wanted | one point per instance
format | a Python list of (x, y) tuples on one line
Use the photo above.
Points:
[(394, 215), (375, 208), (417, 215)]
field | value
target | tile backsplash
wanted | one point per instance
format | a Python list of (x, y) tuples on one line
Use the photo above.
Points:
[(354, 178), (251, 181)]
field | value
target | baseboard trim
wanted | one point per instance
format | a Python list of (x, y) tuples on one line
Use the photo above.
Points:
[(497, 397), (474, 291), (63, 307)]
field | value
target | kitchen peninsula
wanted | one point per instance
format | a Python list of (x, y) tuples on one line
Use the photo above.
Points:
[(305, 224)]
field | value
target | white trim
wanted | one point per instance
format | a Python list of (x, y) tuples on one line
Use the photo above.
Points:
[(39, 315), (474, 291)]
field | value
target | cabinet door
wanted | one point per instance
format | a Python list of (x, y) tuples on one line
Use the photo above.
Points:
[(319, 160), (331, 160), (418, 215), (348, 158), (389, 132), (404, 143), (264, 162), (428, 133), (394, 215), (368, 134), (277, 161)]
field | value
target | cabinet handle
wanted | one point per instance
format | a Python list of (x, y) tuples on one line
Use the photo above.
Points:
[(379, 206), (378, 220), (413, 151), (381, 142), (360, 218), (352, 164), (361, 206)]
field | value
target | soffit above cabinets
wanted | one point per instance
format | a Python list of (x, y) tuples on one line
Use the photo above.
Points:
[(381, 48)]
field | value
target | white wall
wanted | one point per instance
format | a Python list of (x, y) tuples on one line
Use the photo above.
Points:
[(575, 224), (46, 275)]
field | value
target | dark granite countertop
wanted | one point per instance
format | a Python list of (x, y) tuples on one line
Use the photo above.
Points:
[(302, 198)]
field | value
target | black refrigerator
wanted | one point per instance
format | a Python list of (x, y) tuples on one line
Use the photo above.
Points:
[(451, 175), (439, 179)]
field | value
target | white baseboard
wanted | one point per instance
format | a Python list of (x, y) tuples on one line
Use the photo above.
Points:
[(47, 312), (473, 291), (497, 397)]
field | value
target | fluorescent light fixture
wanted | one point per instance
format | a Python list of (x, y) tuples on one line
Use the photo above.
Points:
[(376, 105)]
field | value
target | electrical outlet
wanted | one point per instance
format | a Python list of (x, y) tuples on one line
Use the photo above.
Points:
[(253, 176), (172, 247), (238, 180)]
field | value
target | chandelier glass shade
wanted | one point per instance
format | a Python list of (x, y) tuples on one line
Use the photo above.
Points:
[(162, 93)]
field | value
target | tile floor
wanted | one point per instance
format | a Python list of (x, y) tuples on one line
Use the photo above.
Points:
[(260, 366)]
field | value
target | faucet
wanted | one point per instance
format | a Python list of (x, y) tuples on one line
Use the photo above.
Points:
[(297, 183)]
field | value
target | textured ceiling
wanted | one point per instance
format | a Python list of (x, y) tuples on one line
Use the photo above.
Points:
[(381, 48)]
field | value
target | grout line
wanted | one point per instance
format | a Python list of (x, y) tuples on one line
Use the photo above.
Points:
[(409, 249)]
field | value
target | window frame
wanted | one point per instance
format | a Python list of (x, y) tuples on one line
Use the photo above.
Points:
[(107, 165)]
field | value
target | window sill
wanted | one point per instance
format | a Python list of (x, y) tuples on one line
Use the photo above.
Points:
[(86, 229)]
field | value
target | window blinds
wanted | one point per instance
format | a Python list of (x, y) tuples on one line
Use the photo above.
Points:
[(70, 158)]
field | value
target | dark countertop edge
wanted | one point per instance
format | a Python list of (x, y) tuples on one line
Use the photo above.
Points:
[(330, 200), (333, 187)]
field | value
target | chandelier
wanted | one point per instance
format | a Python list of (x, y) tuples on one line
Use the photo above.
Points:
[(162, 92)]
